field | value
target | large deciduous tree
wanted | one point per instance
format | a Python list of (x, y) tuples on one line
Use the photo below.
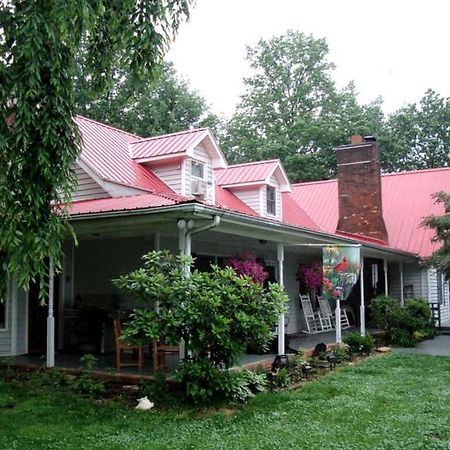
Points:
[(165, 105), (291, 109), (441, 224), (418, 135), (39, 41)]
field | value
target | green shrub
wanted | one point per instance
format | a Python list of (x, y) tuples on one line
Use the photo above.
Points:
[(341, 354), (358, 343), (203, 382), (282, 378), (404, 326), (157, 391), (216, 313), (386, 312), (246, 383), (50, 377), (85, 383)]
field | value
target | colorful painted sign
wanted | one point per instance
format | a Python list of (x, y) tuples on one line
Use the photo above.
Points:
[(341, 266)]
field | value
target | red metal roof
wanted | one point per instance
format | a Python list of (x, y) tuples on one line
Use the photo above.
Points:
[(105, 150), (142, 201), (225, 199), (406, 200), (168, 144), (253, 172), (293, 214)]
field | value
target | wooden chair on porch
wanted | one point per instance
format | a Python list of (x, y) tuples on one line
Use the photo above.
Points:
[(315, 321), (326, 311), (159, 350), (122, 346)]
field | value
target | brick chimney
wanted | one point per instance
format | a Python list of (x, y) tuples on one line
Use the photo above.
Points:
[(359, 188)]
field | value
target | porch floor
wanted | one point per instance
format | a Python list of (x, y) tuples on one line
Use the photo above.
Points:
[(106, 362)]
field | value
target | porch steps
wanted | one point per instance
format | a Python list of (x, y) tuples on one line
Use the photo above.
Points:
[(445, 330)]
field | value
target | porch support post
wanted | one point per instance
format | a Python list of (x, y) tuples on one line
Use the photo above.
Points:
[(386, 284), (402, 295), (157, 241), (337, 315), (281, 323), (362, 309), (182, 225), (50, 318)]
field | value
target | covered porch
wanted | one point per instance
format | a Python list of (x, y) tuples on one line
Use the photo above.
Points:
[(86, 301)]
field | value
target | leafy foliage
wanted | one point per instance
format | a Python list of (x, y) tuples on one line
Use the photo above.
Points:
[(404, 326), (85, 383), (417, 136), (160, 106), (216, 313), (441, 224), (248, 265), (39, 141), (358, 343), (291, 109)]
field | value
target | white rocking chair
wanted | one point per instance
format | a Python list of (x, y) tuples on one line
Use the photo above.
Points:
[(326, 311), (315, 321)]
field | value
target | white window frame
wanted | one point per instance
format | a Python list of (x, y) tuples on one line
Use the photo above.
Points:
[(203, 169), (274, 201)]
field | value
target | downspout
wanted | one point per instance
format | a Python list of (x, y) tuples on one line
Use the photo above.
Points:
[(187, 230)]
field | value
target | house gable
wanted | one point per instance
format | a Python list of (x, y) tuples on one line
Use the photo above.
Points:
[(258, 184), (87, 187), (185, 161)]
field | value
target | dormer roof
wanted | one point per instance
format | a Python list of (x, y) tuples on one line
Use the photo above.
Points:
[(175, 145), (254, 173), (105, 151)]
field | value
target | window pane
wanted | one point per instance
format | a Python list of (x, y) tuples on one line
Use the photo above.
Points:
[(271, 200), (197, 170)]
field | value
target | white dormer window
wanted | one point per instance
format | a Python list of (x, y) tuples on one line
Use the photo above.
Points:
[(271, 200), (198, 184), (198, 170)]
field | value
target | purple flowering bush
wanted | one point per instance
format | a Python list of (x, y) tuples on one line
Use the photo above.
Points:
[(247, 264)]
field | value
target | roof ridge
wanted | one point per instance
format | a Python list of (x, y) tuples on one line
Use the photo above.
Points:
[(150, 138), (434, 169), (390, 174), (304, 183), (265, 161), (79, 116)]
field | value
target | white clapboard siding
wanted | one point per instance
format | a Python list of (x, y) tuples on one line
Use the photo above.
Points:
[(250, 196), (170, 174), (87, 187)]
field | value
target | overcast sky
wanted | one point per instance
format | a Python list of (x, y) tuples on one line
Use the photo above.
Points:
[(393, 48)]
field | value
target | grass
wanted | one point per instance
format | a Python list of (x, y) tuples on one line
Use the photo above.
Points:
[(398, 401)]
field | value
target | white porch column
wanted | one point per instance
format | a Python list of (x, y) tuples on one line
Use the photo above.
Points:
[(402, 295), (386, 284), (280, 258), (362, 309), (337, 315), (50, 318), (157, 242), (182, 248)]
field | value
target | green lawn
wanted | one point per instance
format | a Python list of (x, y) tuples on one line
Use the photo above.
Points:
[(400, 401)]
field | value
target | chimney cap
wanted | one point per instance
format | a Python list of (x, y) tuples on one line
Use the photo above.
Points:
[(356, 139)]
